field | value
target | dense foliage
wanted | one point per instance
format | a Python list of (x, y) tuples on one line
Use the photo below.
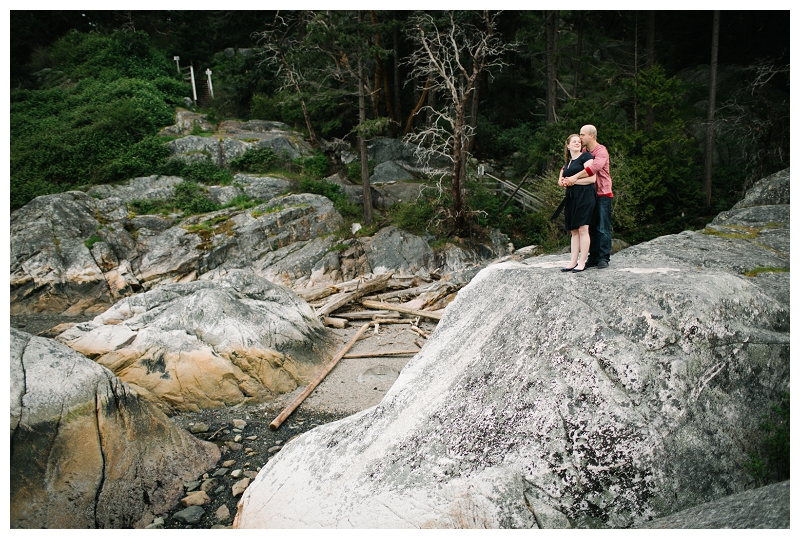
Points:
[(90, 90), (95, 119)]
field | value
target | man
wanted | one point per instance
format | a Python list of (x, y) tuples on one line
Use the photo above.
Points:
[(600, 230)]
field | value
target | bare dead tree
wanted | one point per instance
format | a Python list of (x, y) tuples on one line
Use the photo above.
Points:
[(451, 55), (758, 138), (274, 49)]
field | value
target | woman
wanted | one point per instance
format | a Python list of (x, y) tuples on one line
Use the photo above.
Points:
[(580, 202)]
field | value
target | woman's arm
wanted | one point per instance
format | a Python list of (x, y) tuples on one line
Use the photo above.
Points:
[(561, 181), (588, 180)]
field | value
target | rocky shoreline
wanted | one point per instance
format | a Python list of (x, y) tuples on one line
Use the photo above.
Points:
[(247, 444)]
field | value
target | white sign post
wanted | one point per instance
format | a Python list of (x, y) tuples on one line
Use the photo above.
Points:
[(177, 63)]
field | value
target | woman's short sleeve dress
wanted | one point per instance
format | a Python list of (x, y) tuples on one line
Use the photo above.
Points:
[(581, 199)]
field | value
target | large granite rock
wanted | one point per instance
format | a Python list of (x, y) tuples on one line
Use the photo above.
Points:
[(205, 344), (143, 188), (86, 451), (389, 171), (52, 268), (383, 150), (759, 508), (605, 398)]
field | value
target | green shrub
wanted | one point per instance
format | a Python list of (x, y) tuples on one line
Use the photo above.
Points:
[(334, 193), (101, 127), (150, 206), (257, 161), (190, 199), (315, 166), (414, 217), (204, 172)]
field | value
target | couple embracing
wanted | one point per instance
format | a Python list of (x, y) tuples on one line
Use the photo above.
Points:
[(587, 203)]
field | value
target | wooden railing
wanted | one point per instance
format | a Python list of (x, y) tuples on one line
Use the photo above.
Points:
[(505, 189)]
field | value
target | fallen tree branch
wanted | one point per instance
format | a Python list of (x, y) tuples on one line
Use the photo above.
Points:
[(314, 383), (367, 315), (420, 332), (339, 323), (381, 354), (389, 307), (343, 298), (317, 292)]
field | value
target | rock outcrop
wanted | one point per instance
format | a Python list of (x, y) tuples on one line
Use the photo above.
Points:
[(77, 253), (73, 253), (52, 268), (207, 344), (605, 398), (230, 139), (399, 152), (86, 451), (759, 508)]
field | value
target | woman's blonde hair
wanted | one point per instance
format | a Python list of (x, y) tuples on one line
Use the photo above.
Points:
[(566, 147)]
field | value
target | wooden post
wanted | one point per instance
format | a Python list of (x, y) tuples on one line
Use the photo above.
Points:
[(310, 387)]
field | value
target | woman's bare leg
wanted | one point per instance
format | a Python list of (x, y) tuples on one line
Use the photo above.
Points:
[(575, 246), (583, 240)]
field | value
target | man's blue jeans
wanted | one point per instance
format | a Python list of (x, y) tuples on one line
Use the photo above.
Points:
[(600, 232)]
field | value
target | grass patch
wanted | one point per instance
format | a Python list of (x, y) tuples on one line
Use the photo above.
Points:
[(731, 236), (270, 209), (91, 241), (243, 202), (765, 269)]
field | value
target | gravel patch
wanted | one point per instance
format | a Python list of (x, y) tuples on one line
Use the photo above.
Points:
[(246, 441)]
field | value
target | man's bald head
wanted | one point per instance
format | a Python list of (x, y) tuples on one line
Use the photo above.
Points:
[(588, 136)]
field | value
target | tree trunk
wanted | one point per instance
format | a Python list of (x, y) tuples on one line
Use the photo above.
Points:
[(362, 144), (551, 27), (381, 76), (458, 163), (650, 60), (418, 107), (635, 71), (432, 104), (712, 98), (397, 86), (473, 114), (311, 134), (578, 53)]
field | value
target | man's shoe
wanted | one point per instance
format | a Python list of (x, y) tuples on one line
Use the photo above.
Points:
[(602, 264), (591, 263)]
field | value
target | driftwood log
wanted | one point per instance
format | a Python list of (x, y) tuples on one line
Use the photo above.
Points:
[(343, 298), (314, 383), (379, 353), (389, 307)]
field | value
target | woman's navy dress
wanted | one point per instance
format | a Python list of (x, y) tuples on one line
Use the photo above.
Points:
[(581, 199)]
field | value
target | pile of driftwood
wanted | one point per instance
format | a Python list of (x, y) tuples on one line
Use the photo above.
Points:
[(407, 300), (387, 297)]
